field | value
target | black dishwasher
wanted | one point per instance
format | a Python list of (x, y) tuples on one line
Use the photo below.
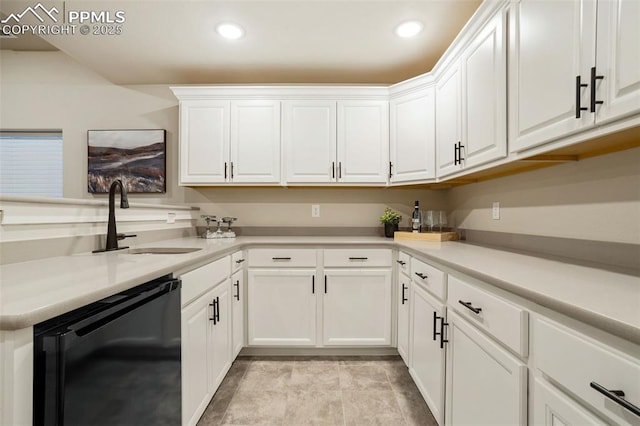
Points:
[(113, 362)]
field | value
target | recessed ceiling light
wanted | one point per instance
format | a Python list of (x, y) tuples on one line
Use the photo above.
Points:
[(409, 29), (230, 31)]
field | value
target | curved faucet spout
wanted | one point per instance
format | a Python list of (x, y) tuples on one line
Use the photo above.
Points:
[(112, 234)]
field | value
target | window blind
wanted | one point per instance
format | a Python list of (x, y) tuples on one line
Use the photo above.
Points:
[(31, 163)]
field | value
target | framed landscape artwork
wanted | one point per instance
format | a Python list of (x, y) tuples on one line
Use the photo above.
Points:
[(137, 157)]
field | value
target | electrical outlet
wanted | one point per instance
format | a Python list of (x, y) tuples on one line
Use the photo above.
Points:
[(315, 210), (495, 212), (171, 218)]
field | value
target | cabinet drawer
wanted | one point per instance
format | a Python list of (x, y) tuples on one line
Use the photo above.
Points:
[(357, 257), (575, 361), (429, 277), (404, 263), (502, 319), (198, 281), (285, 257), (237, 261)]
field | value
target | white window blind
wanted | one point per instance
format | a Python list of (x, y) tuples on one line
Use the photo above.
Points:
[(31, 163)]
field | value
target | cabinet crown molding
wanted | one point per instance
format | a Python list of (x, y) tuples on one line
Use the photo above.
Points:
[(281, 92)]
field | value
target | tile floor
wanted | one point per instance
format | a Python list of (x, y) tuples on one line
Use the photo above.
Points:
[(317, 391)]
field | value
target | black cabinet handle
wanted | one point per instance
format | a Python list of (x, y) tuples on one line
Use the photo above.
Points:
[(313, 284), (358, 258), (460, 157), (402, 263), (435, 321), (469, 306), (325, 284), (333, 170), (404, 288), (617, 396), (442, 339), (216, 312), (237, 286), (421, 275), (594, 77), (390, 166), (239, 261), (225, 169), (218, 309), (340, 170), (280, 258), (579, 86), (457, 153), (232, 170)]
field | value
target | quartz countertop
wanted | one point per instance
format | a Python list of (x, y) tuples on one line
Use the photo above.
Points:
[(34, 291)]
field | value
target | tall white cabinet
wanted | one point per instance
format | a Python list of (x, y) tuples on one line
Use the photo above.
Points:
[(412, 136)]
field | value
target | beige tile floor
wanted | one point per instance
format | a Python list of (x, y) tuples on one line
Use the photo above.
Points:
[(317, 391)]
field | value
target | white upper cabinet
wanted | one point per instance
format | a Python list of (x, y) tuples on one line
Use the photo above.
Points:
[(484, 96), (328, 141), (309, 135), (471, 125), (448, 121), (413, 136), (225, 142), (255, 142), (618, 59), (564, 78), (363, 141), (204, 141)]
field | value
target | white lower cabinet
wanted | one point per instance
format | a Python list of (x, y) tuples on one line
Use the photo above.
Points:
[(281, 307), (486, 385), (206, 340), (357, 307), (404, 289), (237, 309), (552, 407), (428, 349)]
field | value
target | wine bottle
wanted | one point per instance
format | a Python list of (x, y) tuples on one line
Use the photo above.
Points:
[(416, 219)]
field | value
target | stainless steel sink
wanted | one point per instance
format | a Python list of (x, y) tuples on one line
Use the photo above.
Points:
[(162, 250)]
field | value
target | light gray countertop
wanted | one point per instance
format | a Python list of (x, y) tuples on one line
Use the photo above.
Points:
[(31, 292)]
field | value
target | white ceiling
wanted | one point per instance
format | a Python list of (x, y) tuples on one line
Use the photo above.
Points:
[(294, 41)]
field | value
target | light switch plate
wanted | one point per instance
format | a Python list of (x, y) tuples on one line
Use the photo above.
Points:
[(315, 210)]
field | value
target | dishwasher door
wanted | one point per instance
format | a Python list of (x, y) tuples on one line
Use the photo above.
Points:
[(114, 362)]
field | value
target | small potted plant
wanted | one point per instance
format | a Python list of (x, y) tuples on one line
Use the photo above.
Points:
[(390, 219)]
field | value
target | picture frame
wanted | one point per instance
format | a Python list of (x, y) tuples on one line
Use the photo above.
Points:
[(137, 157)]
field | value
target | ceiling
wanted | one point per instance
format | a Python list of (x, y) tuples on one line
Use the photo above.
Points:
[(294, 41)]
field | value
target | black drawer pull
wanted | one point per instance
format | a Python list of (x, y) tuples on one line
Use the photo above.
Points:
[(617, 396), (237, 286), (280, 258), (402, 263), (421, 275), (404, 288), (358, 258), (469, 306), (239, 261)]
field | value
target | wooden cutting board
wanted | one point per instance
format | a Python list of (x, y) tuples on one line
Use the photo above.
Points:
[(425, 236)]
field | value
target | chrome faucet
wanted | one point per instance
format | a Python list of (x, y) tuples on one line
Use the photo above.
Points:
[(112, 234)]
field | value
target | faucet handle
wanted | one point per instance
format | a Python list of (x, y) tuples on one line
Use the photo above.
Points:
[(208, 218), (123, 236)]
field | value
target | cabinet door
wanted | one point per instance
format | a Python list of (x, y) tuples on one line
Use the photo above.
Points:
[(357, 307), (282, 307), (550, 44), (448, 120), (220, 347), (618, 59), (204, 141), (309, 135), (413, 136), (255, 142), (237, 302), (552, 407), (427, 358), (485, 384), (363, 141), (403, 287), (484, 95), (196, 359)]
